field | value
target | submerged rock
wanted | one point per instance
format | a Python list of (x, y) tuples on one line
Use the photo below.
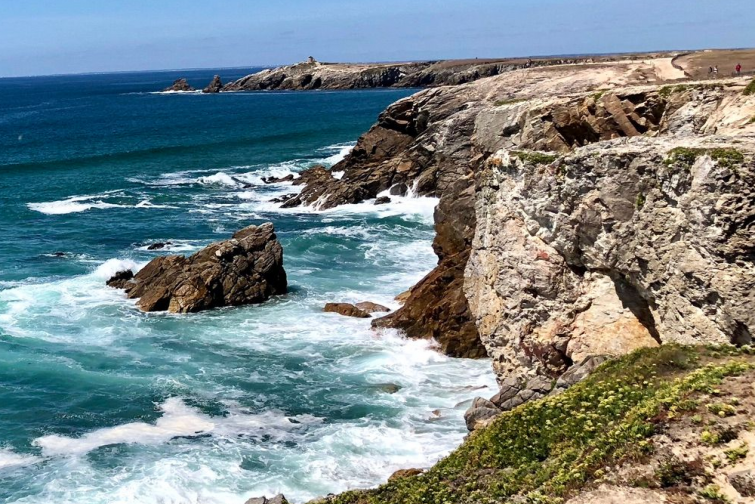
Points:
[(276, 180), (345, 309), (246, 269), (179, 85), (214, 86), (158, 245)]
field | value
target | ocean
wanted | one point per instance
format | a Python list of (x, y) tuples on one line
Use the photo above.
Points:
[(100, 403)]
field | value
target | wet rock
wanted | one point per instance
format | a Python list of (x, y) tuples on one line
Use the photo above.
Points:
[(399, 190), (284, 198), (345, 309), (179, 85), (382, 200), (743, 482), (158, 245), (121, 279), (276, 180), (405, 473), (214, 86), (389, 388), (59, 254), (480, 414), (371, 307), (246, 269)]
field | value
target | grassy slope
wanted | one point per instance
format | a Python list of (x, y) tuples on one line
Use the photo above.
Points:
[(547, 450)]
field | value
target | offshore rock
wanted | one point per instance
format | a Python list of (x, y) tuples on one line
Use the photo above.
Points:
[(246, 269), (179, 85), (345, 309), (371, 307), (215, 86), (121, 279)]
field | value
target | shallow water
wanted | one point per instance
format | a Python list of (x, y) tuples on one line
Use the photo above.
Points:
[(102, 403)]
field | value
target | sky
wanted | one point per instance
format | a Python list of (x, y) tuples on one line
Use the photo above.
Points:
[(42, 37)]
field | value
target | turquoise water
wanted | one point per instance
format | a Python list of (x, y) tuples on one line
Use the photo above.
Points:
[(101, 403)]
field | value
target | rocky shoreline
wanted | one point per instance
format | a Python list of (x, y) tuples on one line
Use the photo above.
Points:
[(586, 211)]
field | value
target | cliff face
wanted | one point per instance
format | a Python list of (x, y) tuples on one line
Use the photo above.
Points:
[(619, 245), (437, 140)]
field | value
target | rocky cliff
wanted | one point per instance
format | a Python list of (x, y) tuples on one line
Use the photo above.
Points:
[(576, 276)]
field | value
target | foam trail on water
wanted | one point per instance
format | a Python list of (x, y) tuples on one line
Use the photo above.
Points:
[(10, 459)]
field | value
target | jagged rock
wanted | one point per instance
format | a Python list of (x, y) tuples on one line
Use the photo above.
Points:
[(214, 86), (382, 200), (121, 279), (480, 414), (345, 309), (370, 307), (278, 499), (276, 180), (405, 473), (179, 85), (246, 269), (158, 245), (743, 482), (284, 198)]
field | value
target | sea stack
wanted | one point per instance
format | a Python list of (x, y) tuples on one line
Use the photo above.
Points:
[(214, 86), (179, 85)]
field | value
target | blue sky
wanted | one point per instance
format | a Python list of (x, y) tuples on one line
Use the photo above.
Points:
[(70, 36)]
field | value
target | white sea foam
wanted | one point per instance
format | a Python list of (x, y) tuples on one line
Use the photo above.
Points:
[(71, 205), (9, 459), (177, 420), (218, 179), (113, 266)]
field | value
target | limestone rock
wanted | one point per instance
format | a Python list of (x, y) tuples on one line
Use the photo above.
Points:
[(345, 309), (214, 86), (179, 85), (246, 269)]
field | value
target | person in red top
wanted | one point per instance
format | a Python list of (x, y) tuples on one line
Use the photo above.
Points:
[(739, 68)]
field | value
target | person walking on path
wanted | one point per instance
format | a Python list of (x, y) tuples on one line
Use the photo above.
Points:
[(739, 69)]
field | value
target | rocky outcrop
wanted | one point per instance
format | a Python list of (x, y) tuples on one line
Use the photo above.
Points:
[(370, 307), (215, 86), (278, 499), (246, 269), (179, 85), (620, 245)]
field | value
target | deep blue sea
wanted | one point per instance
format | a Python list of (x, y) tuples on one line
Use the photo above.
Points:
[(100, 403)]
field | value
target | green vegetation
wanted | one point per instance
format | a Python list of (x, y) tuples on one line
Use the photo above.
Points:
[(750, 89), (737, 453), (546, 450), (640, 202), (597, 96), (722, 410), (510, 101), (537, 158), (686, 156), (713, 493)]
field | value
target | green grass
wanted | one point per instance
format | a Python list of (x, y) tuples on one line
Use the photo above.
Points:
[(686, 156), (544, 451), (750, 89)]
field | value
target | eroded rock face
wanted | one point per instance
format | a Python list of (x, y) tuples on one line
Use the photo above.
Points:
[(614, 247), (246, 269)]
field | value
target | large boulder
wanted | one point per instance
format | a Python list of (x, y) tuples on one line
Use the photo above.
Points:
[(179, 85), (246, 269), (345, 309)]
